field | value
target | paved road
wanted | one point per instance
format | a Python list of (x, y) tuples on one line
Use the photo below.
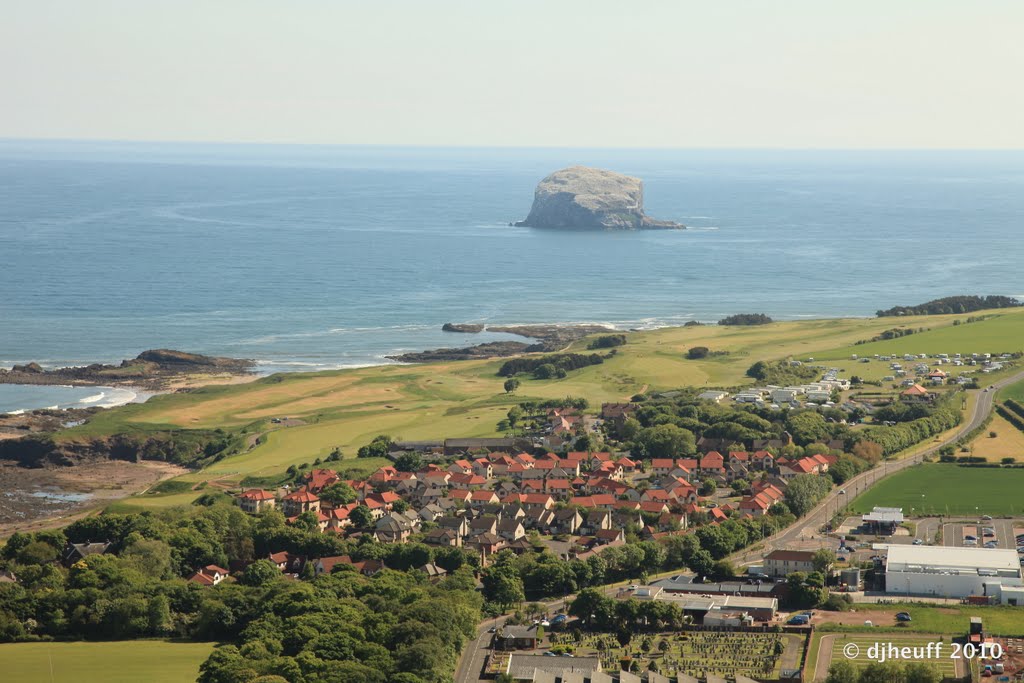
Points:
[(472, 660), (807, 526)]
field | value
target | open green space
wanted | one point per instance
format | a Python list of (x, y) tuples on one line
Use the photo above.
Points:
[(346, 409), (935, 488), (950, 620), (153, 661), (1014, 391), (945, 665)]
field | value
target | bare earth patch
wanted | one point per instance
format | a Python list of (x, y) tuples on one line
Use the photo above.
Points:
[(34, 499)]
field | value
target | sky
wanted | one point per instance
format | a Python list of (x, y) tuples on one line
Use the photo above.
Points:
[(553, 73)]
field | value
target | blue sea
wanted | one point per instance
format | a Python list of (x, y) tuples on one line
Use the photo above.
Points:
[(309, 257)]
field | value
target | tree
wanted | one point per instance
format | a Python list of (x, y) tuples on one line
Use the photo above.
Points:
[(502, 585), (708, 487), (338, 493), (701, 563), (823, 559), (361, 517), (697, 352), (409, 462), (807, 427), (378, 448), (722, 570), (152, 558), (260, 573), (804, 492), (515, 414), (885, 672), (922, 672), (511, 385), (667, 441), (868, 451), (842, 672)]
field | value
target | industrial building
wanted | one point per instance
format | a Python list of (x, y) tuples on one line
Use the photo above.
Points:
[(718, 607), (950, 572)]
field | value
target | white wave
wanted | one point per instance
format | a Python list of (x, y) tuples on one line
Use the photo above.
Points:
[(16, 412), (119, 397), (94, 398), (52, 408)]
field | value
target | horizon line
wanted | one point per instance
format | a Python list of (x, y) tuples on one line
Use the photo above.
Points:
[(428, 146)]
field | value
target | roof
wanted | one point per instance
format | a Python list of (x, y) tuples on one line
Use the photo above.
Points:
[(915, 390), (790, 555), (880, 514), (925, 559)]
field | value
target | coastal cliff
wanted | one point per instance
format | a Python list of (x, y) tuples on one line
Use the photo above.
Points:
[(586, 198)]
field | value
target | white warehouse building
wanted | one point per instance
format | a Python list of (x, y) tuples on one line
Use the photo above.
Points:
[(949, 572)]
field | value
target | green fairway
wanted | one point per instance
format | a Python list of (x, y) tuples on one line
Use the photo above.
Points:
[(948, 489), (153, 661)]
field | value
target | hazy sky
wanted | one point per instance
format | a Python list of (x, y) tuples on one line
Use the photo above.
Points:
[(677, 73)]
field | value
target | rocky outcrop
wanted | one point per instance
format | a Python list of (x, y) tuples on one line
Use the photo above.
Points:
[(586, 198), (150, 369), (467, 328)]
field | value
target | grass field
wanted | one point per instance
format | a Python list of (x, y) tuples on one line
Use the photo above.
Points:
[(463, 399), (1014, 391), (1008, 442), (863, 642), (948, 489), (153, 661)]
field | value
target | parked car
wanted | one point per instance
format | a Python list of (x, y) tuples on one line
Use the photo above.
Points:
[(986, 518), (903, 616), (991, 544), (798, 620), (918, 541), (970, 538)]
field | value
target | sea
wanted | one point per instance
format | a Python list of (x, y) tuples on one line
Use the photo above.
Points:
[(317, 257)]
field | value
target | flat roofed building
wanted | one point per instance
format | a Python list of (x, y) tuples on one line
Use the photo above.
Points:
[(524, 667), (945, 571), (883, 520)]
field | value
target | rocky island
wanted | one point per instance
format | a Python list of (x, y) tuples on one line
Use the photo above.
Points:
[(586, 198)]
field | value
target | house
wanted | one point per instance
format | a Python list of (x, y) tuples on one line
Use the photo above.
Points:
[(393, 528), (256, 500), (783, 562), (516, 638), (617, 412), (210, 575), (486, 545), (712, 463), (459, 525), (432, 571), (478, 499), (461, 467), (74, 552), (317, 480), (510, 529), (294, 504), (567, 521), (916, 394), (597, 520), (485, 524), (443, 537)]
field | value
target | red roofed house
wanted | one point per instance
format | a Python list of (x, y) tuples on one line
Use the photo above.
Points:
[(712, 463), (317, 480), (294, 504), (662, 466), (256, 500), (210, 575)]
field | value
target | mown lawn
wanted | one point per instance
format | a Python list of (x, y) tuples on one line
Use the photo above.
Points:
[(153, 661), (950, 620), (948, 489)]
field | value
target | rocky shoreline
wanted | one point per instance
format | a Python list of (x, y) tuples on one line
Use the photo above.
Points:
[(547, 338), (152, 370)]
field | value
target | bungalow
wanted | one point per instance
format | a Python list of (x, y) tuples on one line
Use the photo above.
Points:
[(256, 500), (916, 394), (653, 507)]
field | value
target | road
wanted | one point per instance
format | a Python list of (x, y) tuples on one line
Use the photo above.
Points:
[(472, 659)]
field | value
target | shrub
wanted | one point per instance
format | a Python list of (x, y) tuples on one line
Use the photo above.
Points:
[(698, 352)]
